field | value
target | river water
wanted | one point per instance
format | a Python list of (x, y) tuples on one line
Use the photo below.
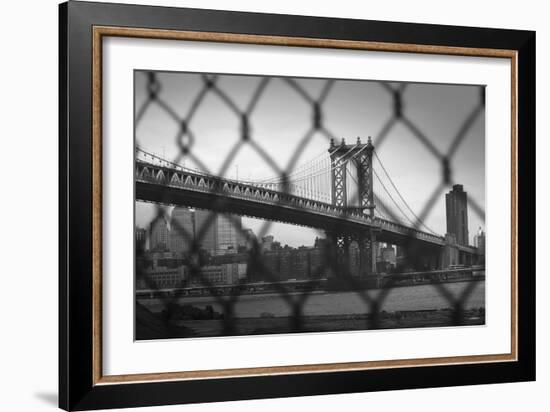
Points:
[(422, 297)]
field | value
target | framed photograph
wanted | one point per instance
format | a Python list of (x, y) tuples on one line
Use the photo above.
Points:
[(257, 205)]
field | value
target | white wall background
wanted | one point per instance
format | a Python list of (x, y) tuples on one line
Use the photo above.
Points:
[(28, 132)]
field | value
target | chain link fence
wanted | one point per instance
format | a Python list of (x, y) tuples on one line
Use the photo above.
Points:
[(173, 317)]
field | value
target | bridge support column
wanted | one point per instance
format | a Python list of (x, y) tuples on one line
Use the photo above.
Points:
[(450, 255), (337, 256), (367, 246), (344, 243), (372, 252), (339, 176), (435, 260)]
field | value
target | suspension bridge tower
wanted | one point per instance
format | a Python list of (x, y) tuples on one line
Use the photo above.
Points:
[(347, 160)]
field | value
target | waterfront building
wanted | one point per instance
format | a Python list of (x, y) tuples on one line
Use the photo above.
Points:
[(270, 263), (479, 241), (301, 263), (456, 202), (224, 274), (286, 263), (161, 277), (233, 273), (290, 263), (317, 264), (229, 258), (163, 258), (208, 275)]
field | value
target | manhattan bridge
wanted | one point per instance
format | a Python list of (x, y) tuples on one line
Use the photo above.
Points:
[(345, 191)]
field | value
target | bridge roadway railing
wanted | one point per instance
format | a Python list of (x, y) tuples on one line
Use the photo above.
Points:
[(408, 231), (394, 227), (190, 180)]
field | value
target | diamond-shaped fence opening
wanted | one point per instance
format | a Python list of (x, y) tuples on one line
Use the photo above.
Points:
[(168, 278)]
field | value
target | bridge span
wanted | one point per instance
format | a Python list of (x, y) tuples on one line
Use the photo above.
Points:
[(164, 182), (179, 186)]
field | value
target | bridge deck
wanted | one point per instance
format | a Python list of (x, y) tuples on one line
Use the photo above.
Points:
[(179, 186)]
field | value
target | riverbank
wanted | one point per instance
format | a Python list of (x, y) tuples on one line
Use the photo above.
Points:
[(312, 286), (334, 323), (325, 323), (402, 299)]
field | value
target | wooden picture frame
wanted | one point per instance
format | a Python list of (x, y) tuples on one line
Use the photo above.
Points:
[(82, 384)]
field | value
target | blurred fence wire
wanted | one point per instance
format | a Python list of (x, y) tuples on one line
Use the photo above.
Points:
[(295, 295)]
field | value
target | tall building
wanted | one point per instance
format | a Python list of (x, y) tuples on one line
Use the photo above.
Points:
[(456, 202), (479, 241), (158, 235), (205, 229), (230, 234), (181, 230), (141, 238), (219, 233)]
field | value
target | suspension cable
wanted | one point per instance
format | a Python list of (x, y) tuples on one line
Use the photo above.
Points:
[(391, 197), (401, 197)]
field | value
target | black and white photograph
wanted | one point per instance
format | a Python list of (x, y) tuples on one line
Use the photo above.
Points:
[(249, 206), (268, 205)]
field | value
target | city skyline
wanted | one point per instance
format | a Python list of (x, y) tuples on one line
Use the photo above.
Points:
[(178, 240), (168, 262), (190, 229)]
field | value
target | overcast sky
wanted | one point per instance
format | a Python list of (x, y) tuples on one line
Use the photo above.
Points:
[(352, 109)]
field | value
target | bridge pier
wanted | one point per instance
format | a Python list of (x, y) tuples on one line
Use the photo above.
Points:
[(342, 157), (334, 254), (450, 255), (344, 262), (367, 254), (433, 259), (340, 259), (339, 256)]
